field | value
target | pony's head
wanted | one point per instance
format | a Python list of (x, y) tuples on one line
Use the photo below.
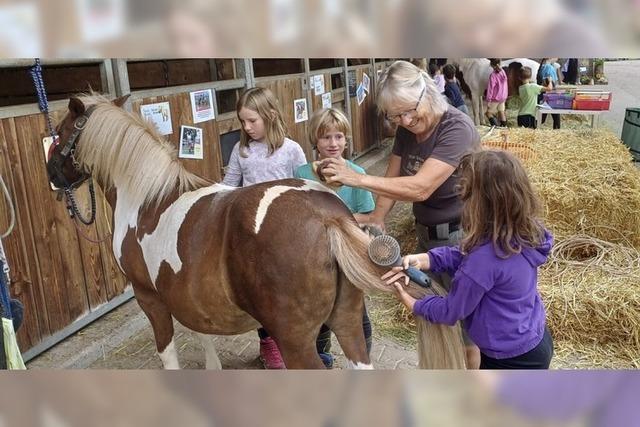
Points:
[(62, 167)]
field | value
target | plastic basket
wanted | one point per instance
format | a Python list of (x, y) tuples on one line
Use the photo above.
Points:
[(595, 100), (559, 100)]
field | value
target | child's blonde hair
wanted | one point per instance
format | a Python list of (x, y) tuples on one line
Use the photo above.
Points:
[(402, 82), (263, 102), (324, 119)]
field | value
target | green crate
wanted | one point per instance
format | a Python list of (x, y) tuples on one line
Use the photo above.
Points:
[(631, 132)]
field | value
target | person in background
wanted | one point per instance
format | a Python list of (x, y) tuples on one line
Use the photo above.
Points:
[(452, 89), (528, 93), (264, 153), (435, 71), (329, 130), (495, 266), (497, 92), (547, 75), (570, 72)]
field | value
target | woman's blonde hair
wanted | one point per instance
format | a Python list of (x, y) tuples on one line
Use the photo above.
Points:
[(263, 102), (324, 119), (499, 203), (402, 83)]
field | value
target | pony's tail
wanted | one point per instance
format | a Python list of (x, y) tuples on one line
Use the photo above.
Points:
[(439, 346)]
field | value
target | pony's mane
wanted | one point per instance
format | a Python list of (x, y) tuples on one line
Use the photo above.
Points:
[(120, 148)]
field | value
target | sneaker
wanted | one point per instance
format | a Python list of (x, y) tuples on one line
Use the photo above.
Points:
[(327, 359), (270, 354)]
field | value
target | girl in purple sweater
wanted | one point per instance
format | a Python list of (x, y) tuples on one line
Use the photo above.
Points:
[(495, 267)]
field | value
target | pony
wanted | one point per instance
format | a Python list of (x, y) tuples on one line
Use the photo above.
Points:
[(475, 73), (513, 66), (287, 254)]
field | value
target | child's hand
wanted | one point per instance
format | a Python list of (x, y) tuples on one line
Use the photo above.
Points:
[(419, 261), (396, 274), (391, 278), (394, 277)]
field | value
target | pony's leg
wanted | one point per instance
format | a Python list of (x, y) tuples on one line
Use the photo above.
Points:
[(162, 324), (212, 361), (346, 323), (298, 352)]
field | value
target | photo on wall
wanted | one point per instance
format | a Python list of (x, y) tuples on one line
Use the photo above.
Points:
[(300, 110), (191, 145), (202, 105)]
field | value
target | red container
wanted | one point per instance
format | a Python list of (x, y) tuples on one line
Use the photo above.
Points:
[(558, 100), (598, 101)]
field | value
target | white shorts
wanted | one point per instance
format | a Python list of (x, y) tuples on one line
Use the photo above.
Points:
[(494, 107)]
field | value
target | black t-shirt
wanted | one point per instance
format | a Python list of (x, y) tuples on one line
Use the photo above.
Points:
[(452, 138)]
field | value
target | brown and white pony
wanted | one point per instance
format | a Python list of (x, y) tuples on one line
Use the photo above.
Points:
[(286, 254)]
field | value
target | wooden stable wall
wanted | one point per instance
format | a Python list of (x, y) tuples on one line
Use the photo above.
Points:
[(62, 278), (180, 103), (58, 276)]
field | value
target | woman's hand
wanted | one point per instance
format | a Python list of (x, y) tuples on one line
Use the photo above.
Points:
[(337, 170)]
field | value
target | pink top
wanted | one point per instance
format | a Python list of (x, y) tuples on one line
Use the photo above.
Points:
[(497, 90)]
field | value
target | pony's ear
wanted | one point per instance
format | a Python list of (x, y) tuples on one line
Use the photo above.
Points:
[(119, 102), (76, 106)]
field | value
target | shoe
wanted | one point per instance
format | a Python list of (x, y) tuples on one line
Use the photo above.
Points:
[(327, 359), (270, 354)]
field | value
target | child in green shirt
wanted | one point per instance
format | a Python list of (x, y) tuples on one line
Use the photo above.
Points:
[(528, 93)]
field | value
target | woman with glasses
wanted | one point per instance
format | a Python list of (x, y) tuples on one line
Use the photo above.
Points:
[(431, 139)]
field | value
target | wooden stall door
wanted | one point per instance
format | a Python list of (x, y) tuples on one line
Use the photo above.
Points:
[(58, 275)]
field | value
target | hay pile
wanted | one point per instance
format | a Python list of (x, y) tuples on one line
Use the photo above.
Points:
[(585, 179), (590, 190)]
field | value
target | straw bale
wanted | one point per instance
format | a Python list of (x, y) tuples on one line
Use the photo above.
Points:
[(591, 290), (585, 179), (590, 191)]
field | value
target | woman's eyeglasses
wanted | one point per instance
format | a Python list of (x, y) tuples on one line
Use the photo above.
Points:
[(396, 118)]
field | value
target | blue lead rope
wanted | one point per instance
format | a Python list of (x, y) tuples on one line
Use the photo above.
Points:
[(43, 103), (5, 298)]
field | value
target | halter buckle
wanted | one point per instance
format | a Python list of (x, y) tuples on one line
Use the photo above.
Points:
[(81, 122)]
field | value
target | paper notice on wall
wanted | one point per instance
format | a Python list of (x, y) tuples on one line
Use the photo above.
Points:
[(160, 115), (365, 82), (191, 144), (326, 100), (318, 84), (202, 105), (300, 110), (361, 94)]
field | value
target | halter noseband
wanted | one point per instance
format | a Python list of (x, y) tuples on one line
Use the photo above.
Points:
[(57, 161)]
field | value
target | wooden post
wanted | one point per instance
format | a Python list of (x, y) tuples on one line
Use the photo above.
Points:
[(122, 80)]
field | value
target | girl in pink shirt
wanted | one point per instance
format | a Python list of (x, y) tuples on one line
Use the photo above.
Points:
[(497, 92)]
